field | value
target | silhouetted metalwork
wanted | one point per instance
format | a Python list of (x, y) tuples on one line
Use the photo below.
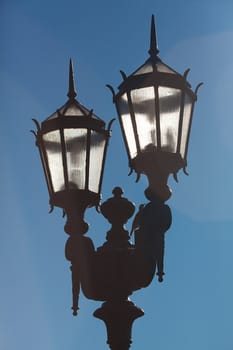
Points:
[(118, 268), (155, 107)]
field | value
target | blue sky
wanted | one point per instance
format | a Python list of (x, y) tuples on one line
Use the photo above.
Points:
[(193, 307)]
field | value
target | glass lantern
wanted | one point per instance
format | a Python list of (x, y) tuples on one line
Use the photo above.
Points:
[(155, 107), (72, 143)]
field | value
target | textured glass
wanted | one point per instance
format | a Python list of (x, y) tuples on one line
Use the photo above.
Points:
[(127, 125), (52, 143), (146, 68), (169, 105), (46, 171), (186, 123), (96, 160), (163, 68), (73, 110), (143, 101), (76, 142)]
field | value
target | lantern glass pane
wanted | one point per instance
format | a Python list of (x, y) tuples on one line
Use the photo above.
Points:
[(169, 106), (73, 110), (163, 68), (186, 124), (143, 101), (44, 159), (52, 143), (127, 125), (76, 143), (146, 68), (96, 160)]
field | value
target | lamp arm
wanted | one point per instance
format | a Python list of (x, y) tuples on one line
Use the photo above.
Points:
[(153, 220), (80, 251)]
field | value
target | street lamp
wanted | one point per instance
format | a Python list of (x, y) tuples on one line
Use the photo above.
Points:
[(155, 106)]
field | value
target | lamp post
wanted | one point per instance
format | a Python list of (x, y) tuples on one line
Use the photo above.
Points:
[(155, 106)]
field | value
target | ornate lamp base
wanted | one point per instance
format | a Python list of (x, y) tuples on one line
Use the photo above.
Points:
[(115, 270)]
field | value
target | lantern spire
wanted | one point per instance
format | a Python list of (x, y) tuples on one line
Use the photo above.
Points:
[(71, 93), (153, 40)]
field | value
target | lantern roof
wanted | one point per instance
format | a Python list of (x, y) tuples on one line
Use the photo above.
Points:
[(154, 70), (154, 62), (73, 108)]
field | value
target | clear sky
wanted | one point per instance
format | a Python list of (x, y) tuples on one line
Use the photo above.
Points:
[(193, 307)]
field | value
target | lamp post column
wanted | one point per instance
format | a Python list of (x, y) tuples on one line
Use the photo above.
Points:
[(119, 316), (114, 257)]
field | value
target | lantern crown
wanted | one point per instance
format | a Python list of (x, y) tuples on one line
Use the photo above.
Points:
[(71, 93), (73, 111), (153, 51)]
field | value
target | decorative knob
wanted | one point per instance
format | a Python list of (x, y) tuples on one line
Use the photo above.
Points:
[(117, 209)]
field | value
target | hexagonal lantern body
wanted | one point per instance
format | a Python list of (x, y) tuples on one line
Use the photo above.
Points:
[(72, 144), (155, 106)]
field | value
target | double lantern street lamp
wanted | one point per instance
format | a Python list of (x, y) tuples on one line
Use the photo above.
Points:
[(155, 107)]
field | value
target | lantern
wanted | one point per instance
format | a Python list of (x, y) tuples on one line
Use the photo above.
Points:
[(155, 107), (72, 143)]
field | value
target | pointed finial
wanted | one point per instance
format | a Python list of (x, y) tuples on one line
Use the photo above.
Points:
[(71, 93), (153, 41)]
